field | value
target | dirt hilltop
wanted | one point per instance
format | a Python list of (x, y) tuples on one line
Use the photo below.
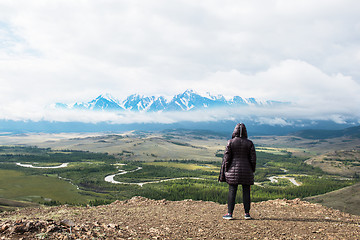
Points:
[(141, 218)]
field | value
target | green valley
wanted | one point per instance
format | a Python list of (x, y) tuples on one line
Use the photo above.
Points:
[(140, 167)]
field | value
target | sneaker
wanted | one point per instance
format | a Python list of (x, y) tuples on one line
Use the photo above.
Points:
[(228, 216), (247, 216)]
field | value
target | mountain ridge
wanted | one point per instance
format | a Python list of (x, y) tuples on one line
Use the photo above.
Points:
[(326, 133), (186, 101)]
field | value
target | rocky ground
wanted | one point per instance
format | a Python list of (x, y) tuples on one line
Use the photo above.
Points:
[(141, 218)]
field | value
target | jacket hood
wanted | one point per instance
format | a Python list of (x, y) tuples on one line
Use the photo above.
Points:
[(240, 131)]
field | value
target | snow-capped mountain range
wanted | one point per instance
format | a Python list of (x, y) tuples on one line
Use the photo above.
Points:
[(186, 101)]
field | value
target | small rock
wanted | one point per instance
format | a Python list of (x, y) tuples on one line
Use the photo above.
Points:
[(4, 227), (41, 236), (83, 229), (154, 230), (67, 223), (30, 226), (112, 226), (19, 228), (39, 224), (52, 228), (18, 221), (116, 202)]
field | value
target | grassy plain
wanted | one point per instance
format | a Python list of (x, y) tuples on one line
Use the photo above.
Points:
[(134, 146), (19, 186), (308, 147), (273, 150), (342, 162), (187, 166)]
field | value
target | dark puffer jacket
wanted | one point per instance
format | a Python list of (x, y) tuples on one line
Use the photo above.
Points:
[(239, 161)]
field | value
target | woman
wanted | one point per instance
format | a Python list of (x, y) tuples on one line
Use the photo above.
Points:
[(238, 167)]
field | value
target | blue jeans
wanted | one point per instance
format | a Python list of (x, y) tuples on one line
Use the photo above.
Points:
[(232, 195)]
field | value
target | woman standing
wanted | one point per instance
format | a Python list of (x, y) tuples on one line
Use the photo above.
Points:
[(238, 167)]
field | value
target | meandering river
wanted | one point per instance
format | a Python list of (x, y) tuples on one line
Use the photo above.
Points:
[(110, 178), (273, 179), (32, 166), (60, 166)]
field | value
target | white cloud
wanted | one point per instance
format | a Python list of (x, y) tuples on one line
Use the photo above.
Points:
[(291, 80), (273, 121), (305, 52)]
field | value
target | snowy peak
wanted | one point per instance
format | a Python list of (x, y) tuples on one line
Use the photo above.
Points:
[(138, 103), (158, 105), (108, 97), (102, 102), (192, 100), (186, 101)]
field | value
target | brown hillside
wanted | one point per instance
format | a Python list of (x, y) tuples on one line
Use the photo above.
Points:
[(346, 199), (141, 218)]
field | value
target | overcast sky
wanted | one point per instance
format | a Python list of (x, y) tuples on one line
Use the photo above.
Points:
[(306, 52)]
